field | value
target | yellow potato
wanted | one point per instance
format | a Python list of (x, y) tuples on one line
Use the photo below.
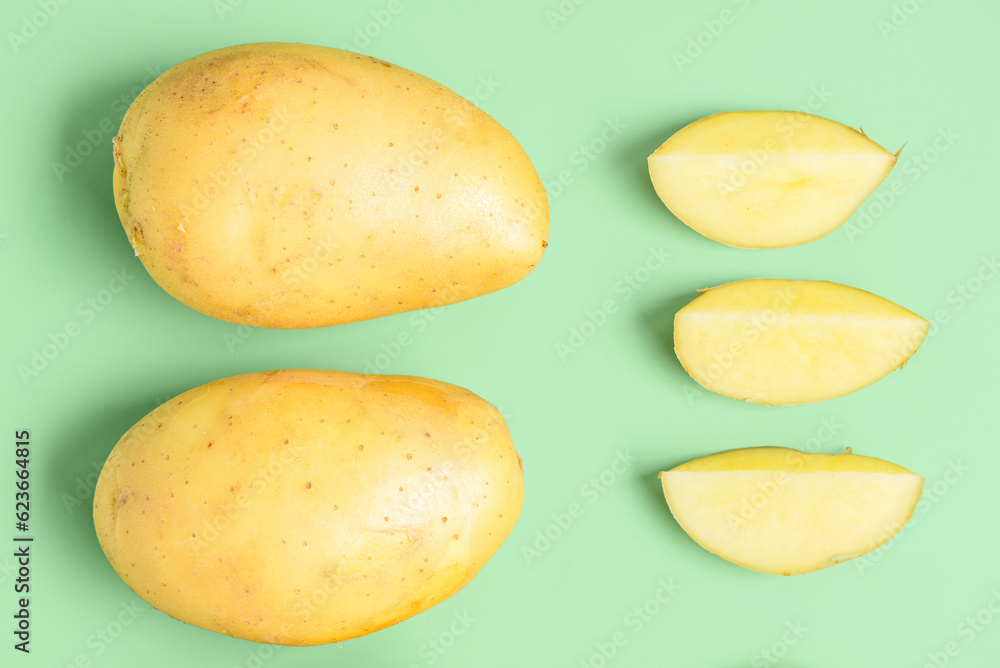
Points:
[(771, 341), (782, 511), (307, 507), (291, 186), (767, 179)]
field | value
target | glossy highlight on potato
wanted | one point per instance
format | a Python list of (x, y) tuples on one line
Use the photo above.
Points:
[(304, 507), (294, 186)]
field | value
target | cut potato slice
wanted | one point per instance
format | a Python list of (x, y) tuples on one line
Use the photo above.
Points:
[(782, 511), (767, 179), (780, 342)]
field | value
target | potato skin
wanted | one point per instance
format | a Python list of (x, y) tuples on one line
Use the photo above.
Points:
[(304, 507), (292, 186)]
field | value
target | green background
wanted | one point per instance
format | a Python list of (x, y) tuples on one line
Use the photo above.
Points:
[(919, 73)]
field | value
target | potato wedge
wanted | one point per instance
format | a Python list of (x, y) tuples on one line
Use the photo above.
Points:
[(781, 342), (767, 179), (782, 511)]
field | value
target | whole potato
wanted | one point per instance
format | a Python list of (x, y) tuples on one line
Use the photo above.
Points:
[(289, 185), (307, 507)]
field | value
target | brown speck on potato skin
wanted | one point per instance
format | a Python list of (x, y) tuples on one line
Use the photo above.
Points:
[(309, 485)]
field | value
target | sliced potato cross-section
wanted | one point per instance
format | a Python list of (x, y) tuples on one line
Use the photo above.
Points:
[(767, 179), (773, 341), (782, 511)]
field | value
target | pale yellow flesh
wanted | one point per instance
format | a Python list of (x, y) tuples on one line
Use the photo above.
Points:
[(782, 511), (782, 342), (292, 186), (305, 507), (767, 179)]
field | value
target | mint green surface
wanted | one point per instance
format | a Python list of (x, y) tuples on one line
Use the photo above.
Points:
[(605, 75)]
